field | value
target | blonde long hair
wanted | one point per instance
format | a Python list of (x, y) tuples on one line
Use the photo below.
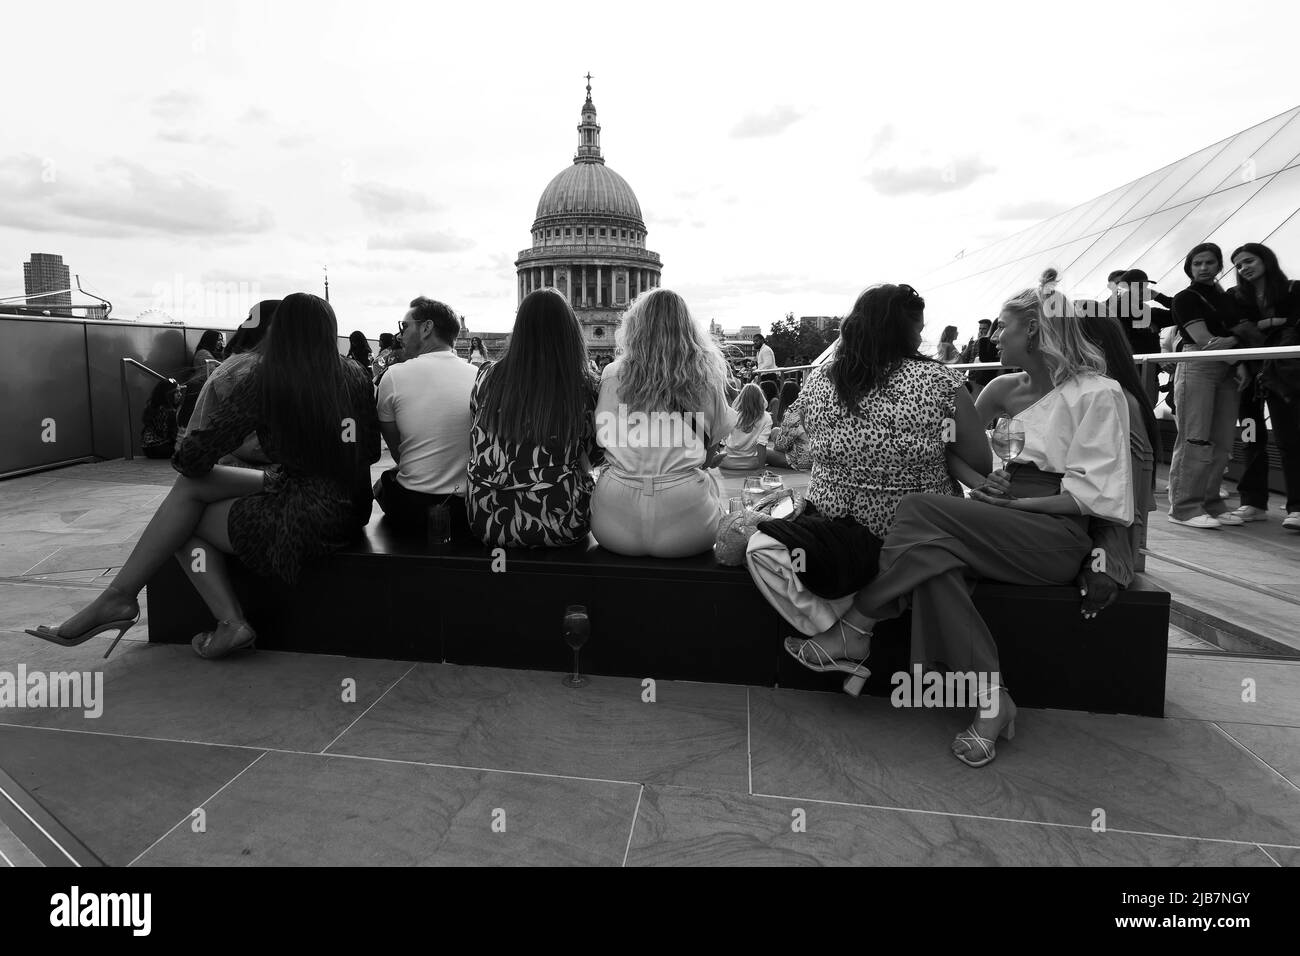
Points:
[(669, 363), (750, 405), (1066, 349)]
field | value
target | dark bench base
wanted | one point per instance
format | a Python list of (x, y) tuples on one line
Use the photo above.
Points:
[(688, 619)]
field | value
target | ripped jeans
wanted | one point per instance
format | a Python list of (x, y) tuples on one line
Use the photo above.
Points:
[(1205, 395)]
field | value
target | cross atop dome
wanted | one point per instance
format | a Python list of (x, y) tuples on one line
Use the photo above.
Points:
[(588, 132)]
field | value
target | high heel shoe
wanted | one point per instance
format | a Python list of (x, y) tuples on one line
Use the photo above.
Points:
[(228, 638), (1007, 730), (52, 633), (822, 661)]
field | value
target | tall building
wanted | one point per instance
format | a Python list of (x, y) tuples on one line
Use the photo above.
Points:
[(1245, 188), (749, 331), (47, 273), (589, 240)]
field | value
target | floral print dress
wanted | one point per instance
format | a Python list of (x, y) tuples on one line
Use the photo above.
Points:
[(523, 495)]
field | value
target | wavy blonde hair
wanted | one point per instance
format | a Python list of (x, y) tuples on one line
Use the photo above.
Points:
[(1060, 336), (669, 363)]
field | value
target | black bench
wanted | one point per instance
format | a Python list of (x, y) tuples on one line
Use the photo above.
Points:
[(690, 619)]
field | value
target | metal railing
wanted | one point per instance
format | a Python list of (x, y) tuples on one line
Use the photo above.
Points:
[(128, 420)]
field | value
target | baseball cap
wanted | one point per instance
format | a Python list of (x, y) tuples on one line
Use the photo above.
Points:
[(1134, 275)]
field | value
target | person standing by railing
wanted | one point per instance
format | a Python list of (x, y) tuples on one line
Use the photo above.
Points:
[(1271, 303), (1205, 394)]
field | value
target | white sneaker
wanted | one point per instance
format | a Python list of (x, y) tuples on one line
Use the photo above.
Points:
[(1205, 521), (1251, 513), (1228, 518), (1292, 521)]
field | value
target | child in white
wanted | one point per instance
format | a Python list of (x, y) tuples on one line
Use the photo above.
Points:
[(746, 446)]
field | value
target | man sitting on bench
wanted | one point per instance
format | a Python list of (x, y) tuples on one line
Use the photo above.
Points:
[(424, 418)]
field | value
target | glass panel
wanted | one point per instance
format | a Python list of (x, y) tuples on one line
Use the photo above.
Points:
[(1116, 212), (1285, 241), (1183, 171), (1164, 260), (1265, 211), (1065, 230), (1233, 155), (1100, 207), (1144, 188), (1128, 254), (1087, 260), (1276, 154)]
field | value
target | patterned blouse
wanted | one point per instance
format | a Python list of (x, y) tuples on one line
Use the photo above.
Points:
[(863, 464), (530, 496)]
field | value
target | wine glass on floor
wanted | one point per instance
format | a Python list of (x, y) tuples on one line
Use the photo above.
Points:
[(751, 491), (577, 628)]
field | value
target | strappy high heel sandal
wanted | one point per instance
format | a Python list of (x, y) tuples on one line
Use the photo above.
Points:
[(816, 658), (52, 633), (229, 637), (969, 736)]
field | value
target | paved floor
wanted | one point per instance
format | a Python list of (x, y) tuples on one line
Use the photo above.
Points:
[(271, 758)]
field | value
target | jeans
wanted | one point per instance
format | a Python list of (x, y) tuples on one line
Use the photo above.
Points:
[(1253, 486), (1205, 394)]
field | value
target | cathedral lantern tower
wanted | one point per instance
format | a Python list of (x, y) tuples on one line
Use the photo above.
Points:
[(589, 240)]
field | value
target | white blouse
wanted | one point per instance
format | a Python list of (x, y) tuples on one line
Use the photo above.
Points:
[(1080, 430)]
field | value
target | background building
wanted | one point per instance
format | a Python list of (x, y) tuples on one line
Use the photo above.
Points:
[(819, 323), (589, 241), (47, 273), (1245, 188)]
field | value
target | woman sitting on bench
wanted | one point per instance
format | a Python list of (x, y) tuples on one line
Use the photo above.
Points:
[(533, 433), (661, 419), (1028, 525), (314, 412)]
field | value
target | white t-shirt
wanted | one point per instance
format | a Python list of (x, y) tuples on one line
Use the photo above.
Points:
[(428, 398), (741, 443), (766, 357)]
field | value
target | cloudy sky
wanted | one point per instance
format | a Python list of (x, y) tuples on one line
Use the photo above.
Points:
[(785, 156)]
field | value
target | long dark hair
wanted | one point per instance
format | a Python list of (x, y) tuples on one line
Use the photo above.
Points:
[(541, 388), (164, 393), (249, 335), (359, 347), (304, 390), (789, 394), (476, 345), (1105, 332), (875, 338), (210, 340), (1275, 280)]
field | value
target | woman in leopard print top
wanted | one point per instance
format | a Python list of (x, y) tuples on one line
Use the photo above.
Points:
[(892, 435)]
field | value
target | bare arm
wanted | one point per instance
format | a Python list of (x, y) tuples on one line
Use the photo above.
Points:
[(391, 438), (968, 454)]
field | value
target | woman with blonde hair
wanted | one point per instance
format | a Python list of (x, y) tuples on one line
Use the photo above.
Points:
[(1027, 524), (746, 446), (661, 415)]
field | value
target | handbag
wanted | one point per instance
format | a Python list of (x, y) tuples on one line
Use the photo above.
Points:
[(736, 528)]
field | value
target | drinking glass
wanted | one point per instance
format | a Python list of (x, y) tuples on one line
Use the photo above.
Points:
[(751, 491), (577, 628), (1008, 440), (770, 482), (734, 505)]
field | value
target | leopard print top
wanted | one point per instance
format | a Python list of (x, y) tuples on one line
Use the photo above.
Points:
[(864, 463)]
